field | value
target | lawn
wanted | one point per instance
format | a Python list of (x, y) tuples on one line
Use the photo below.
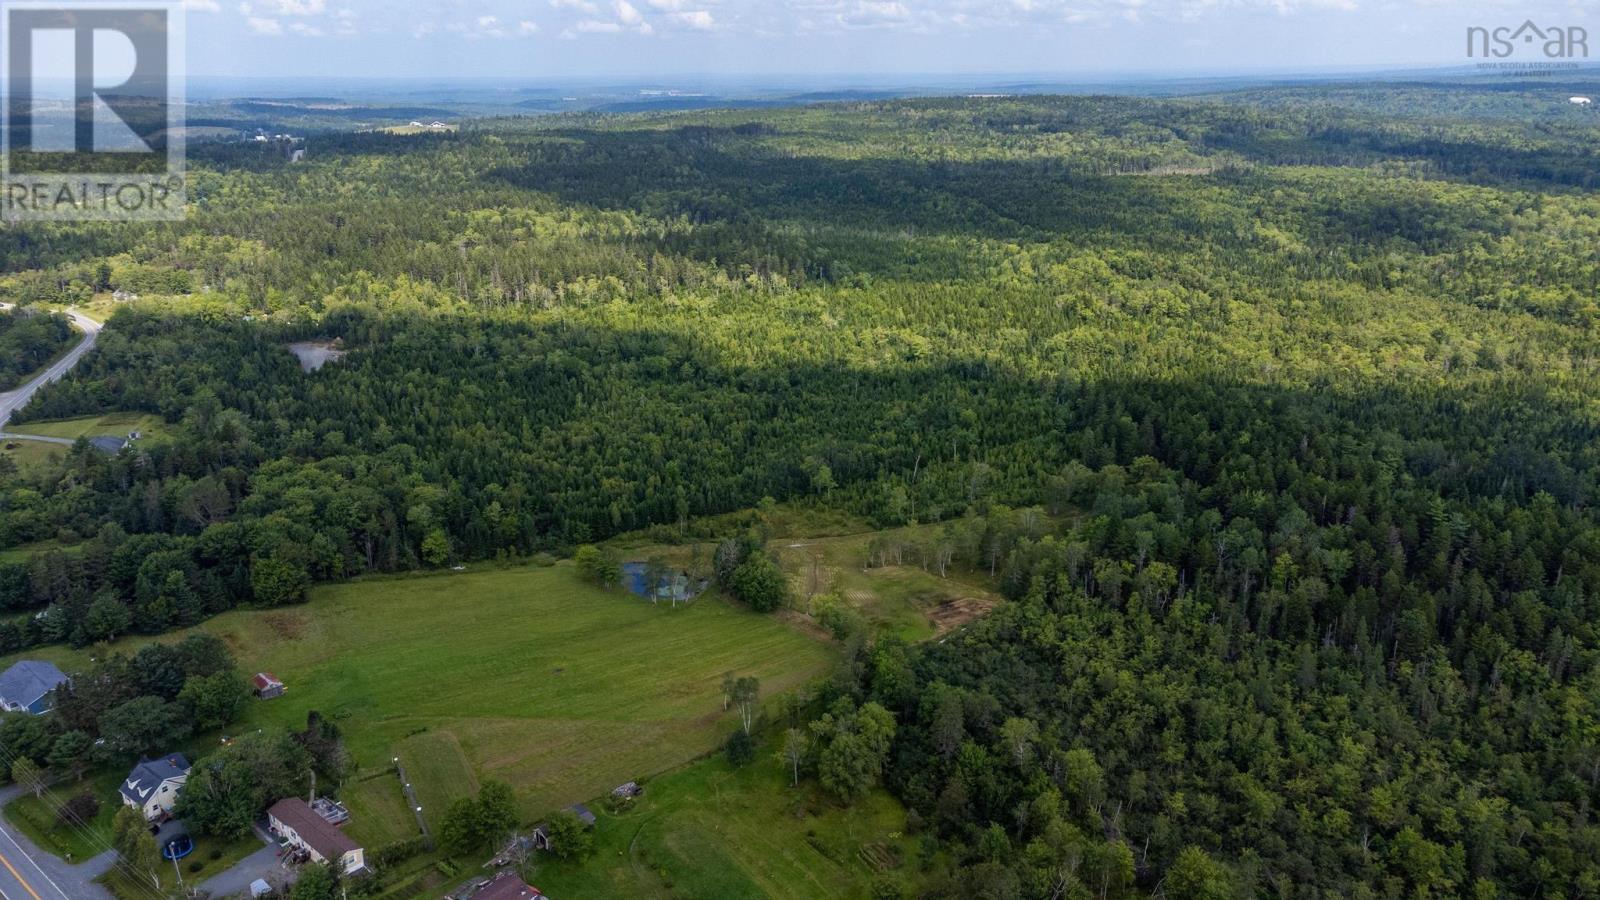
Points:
[(210, 857), (116, 424), (711, 831), (27, 453), (378, 813), (36, 818), (522, 674), (30, 454)]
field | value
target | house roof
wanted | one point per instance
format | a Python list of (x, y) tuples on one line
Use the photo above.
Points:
[(29, 680), (107, 444), (265, 680), (313, 829), (582, 812), (150, 774), (507, 887)]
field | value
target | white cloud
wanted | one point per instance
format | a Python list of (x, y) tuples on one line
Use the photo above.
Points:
[(627, 14), (583, 6), (300, 7), (527, 27), (202, 6), (698, 19), (260, 25)]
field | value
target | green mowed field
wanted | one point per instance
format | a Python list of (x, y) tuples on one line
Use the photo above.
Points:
[(27, 453), (116, 424), (526, 675), (711, 831)]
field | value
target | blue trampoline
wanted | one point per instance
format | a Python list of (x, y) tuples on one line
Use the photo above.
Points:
[(173, 839)]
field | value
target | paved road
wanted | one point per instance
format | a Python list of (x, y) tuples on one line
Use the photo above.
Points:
[(13, 400), (28, 873)]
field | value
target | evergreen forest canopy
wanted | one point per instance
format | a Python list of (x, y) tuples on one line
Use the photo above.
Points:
[(1276, 420)]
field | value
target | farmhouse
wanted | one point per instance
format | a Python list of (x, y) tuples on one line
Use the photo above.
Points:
[(267, 685), (29, 687), (1580, 101), (153, 785), (299, 827)]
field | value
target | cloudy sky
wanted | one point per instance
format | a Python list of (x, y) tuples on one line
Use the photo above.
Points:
[(630, 38)]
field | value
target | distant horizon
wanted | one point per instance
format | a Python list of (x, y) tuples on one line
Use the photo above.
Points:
[(1084, 40)]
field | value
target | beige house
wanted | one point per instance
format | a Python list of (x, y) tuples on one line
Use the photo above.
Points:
[(297, 825), (153, 785)]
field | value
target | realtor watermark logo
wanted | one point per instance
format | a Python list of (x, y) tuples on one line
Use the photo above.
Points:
[(93, 110), (1528, 46)]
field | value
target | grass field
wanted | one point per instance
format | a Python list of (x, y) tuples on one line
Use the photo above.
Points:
[(36, 818), (34, 453), (114, 424), (523, 674), (711, 831), (30, 454), (210, 857)]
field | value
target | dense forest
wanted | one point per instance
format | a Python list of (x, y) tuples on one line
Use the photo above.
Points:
[(28, 340), (1304, 397)]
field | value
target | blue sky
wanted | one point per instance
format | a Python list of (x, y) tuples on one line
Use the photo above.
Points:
[(633, 38)]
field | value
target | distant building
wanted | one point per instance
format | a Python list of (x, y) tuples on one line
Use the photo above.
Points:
[(268, 686), (1580, 101), (416, 124), (627, 791), (300, 828), (29, 686), (108, 444), (541, 834), (153, 785), (438, 125)]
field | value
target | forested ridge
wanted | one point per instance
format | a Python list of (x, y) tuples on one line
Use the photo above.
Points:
[(1306, 395)]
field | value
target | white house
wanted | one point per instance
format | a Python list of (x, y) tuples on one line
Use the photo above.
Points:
[(153, 785), (298, 826), (1580, 101)]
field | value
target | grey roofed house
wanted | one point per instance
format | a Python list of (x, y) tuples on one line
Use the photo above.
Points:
[(583, 814), (107, 444), (142, 789), (26, 686)]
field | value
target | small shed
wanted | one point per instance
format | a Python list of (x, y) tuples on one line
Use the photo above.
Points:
[(627, 791), (541, 834), (268, 686)]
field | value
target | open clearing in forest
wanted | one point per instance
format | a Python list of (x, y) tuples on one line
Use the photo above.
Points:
[(526, 674)]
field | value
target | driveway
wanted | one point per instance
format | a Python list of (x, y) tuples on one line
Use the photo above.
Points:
[(28, 873), (13, 400), (261, 864)]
